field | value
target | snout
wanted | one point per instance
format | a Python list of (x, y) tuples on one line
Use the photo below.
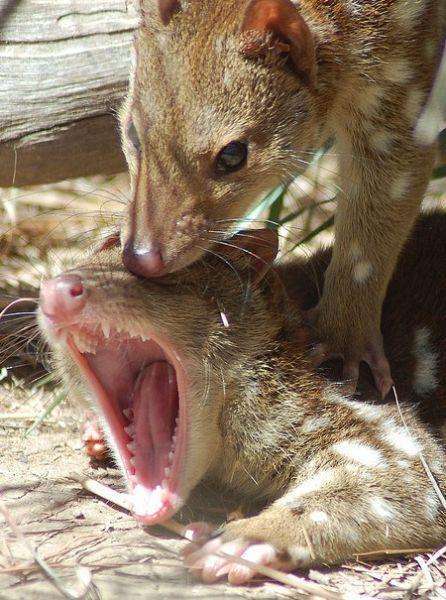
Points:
[(62, 298), (145, 261)]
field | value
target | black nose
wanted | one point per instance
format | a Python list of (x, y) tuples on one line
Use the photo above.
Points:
[(146, 261)]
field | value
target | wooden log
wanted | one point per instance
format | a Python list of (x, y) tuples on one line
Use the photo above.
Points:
[(64, 69)]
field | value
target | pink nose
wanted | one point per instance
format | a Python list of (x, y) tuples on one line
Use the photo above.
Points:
[(145, 262), (63, 297)]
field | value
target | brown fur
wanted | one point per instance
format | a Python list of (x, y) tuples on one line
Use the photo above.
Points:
[(338, 476), (196, 87)]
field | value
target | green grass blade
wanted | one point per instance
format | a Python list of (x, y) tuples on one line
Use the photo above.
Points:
[(58, 399), (325, 225)]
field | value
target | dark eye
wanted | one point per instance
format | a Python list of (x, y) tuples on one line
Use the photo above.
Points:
[(132, 135), (231, 158)]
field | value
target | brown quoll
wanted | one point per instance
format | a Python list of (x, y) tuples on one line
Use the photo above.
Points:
[(231, 97), (207, 373)]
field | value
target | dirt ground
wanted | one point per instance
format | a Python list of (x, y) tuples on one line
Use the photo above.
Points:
[(68, 527)]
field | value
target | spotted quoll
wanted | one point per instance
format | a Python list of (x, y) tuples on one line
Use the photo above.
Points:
[(207, 374), (229, 98)]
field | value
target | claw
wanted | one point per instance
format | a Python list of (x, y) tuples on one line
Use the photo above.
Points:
[(93, 438), (259, 554), (213, 560), (374, 358), (381, 373)]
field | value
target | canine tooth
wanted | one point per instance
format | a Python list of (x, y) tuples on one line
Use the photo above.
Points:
[(132, 447), (128, 413), (130, 430), (171, 455), (167, 472), (106, 329)]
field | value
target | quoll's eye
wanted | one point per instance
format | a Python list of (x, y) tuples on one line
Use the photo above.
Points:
[(231, 158), (132, 135)]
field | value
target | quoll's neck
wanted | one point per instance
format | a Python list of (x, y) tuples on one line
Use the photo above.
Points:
[(264, 409)]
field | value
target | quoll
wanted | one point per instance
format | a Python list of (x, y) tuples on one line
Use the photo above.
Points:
[(207, 373), (231, 97)]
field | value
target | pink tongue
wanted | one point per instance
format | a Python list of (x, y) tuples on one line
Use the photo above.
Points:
[(155, 406)]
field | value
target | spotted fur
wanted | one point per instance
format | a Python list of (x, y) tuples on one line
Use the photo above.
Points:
[(193, 91), (337, 476)]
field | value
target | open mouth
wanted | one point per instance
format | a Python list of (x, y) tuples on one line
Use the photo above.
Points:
[(139, 384)]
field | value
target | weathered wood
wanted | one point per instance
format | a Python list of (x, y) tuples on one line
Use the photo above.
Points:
[(64, 68)]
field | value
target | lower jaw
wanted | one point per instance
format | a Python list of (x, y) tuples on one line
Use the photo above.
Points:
[(169, 507), (151, 502)]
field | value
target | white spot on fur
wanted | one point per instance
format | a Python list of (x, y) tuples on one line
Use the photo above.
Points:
[(228, 79), (358, 471), (426, 365), (404, 464), (366, 412), (406, 12), (318, 516), (312, 424), (370, 98), (402, 440), (299, 555), (437, 465), (220, 44), (312, 484), (359, 452), (397, 71), (362, 271), (432, 504), (381, 141), (414, 102), (382, 508), (400, 187)]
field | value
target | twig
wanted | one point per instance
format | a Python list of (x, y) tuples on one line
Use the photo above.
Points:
[(293, 581), (308, 541), (392, 552), (424, 573), (438, 554)]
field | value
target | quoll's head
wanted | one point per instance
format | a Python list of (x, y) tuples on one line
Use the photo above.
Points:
[(155, 357), (219, 111)]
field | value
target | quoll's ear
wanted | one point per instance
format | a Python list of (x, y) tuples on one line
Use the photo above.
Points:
[(277, 24), (167, 9), (258, 247)]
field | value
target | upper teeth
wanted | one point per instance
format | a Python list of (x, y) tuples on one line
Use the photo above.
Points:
[(130, 430)]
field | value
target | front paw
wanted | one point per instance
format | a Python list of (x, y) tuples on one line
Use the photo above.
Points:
[(245, 540), (352, 345), (93, 438)]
